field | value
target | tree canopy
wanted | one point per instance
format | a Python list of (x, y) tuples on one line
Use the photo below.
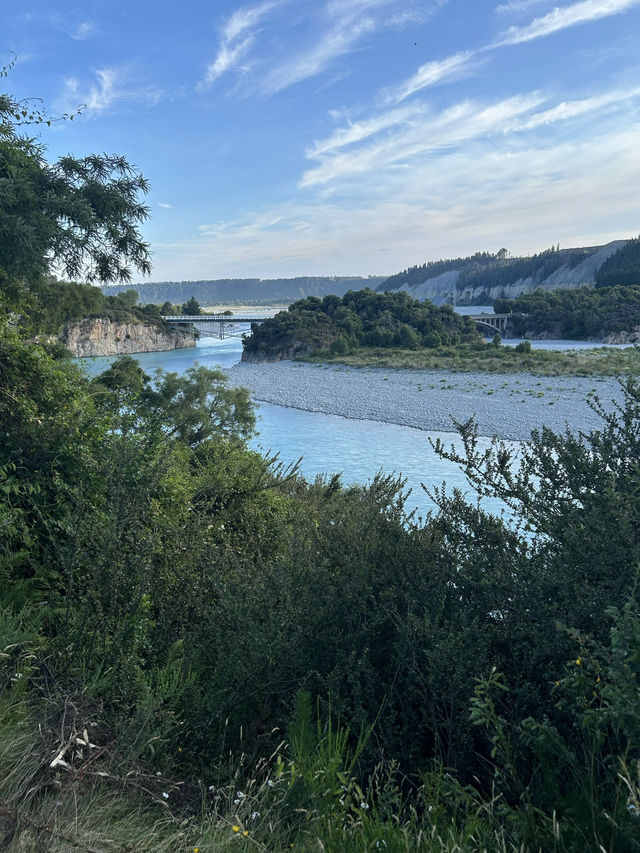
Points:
[(76, 216)]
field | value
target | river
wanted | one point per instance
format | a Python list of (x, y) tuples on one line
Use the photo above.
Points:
[(328, 443)]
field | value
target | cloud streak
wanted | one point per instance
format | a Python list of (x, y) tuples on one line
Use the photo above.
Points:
[(562, 17), (236, 38), (111, 86)]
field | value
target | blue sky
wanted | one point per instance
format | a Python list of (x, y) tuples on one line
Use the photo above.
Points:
[(347, 137)]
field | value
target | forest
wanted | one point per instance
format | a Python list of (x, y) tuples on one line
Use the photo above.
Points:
[(623, 268), (242, 291), (485, 270), (361, 318), (201, 651), (582, 313)]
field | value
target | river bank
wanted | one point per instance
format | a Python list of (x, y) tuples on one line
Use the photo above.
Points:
[(509, 406)]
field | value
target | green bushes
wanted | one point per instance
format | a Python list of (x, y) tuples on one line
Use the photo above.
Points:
[(188, 589), (360, 319)]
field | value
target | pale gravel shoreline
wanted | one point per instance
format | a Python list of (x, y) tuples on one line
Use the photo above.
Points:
[(509, 405)]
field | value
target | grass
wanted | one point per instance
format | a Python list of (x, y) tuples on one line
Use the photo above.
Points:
[(96, 805), (484, 358)]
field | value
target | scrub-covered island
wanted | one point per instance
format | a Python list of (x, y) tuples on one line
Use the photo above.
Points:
[(200, 651)]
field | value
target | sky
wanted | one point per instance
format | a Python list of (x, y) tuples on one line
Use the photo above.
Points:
[(346, 137)]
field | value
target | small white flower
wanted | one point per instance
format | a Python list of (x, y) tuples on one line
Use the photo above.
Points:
[(254, 815), (364, 805), (211, 788), (240, 795), (165, 795), (270, 783)]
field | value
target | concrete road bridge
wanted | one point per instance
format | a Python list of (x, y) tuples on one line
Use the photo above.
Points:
[(213, 325), (488, 323)]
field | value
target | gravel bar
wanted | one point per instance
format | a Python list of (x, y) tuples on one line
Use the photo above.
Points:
[(506, 405)]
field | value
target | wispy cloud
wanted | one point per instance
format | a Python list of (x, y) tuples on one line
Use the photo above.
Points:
[(337, 41), (572, 109), (416, 137), (525, 199), (111, 86), (517, 6), (565, 16), (402, 137), (83, 30), (165, 205), (236, 38), (437, 71)]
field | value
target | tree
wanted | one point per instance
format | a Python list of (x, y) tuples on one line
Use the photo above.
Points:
[(191, 307), (79, 216)]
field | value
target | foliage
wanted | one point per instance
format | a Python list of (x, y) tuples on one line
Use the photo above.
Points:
[(252, 291), (172, 603), (191, 307), (78, 215), (622, 268), (485, 271), (574, 314), (360, 318), (487, 358)]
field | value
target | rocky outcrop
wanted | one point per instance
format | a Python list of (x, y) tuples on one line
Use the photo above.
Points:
[(104, 336), (629, 337)]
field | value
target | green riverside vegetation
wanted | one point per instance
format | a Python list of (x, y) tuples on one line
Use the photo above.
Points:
[(200, 651), (494, 358), (582, 313)]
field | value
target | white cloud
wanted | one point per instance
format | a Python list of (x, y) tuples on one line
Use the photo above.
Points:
[(517, 6), (565, 16), (164, 204), (415, 135), (437, 71), (112, 86), (231, 49), (572, 109), (83, 31), (336, 42), (484, 196)]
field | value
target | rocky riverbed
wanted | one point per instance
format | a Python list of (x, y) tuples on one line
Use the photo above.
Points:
[(509, 406)]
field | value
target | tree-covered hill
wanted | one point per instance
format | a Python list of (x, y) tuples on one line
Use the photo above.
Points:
[(484, 277), (252, 291), (360, 318), (584, 313), (622, 268)]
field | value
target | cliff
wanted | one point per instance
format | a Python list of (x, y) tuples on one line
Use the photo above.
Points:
[(103, 336), (481, 279)]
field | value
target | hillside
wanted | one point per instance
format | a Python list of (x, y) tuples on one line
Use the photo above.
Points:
[(252, 291), (484, 277)]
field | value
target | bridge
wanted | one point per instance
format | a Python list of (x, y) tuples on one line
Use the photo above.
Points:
[(213, 325), (491, 322)]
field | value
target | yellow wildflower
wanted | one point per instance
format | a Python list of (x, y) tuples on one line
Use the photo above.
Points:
[(245, 832), (578, 661)]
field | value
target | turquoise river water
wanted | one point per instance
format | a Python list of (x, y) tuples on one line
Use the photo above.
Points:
[(328, 444)]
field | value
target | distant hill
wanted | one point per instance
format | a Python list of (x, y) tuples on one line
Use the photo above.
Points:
[(247, 291), (484, 277)]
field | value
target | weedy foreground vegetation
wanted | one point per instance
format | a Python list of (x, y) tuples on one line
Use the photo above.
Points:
[(200, 651)]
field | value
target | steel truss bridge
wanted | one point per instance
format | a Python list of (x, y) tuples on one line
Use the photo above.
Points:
[(213, 325)]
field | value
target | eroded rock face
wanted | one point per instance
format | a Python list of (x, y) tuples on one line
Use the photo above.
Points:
[(103, 336), (630, 337)]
